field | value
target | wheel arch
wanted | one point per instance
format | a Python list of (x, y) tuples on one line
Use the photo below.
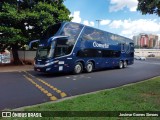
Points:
[(81, 61), (91, 60)]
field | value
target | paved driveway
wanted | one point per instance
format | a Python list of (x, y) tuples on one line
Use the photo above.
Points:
[(26, 88)]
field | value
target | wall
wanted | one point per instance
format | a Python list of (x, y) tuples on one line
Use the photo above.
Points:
[(26, 56), (146, 52)]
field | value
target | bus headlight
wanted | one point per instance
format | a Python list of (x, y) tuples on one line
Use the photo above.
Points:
[(47, 69), (50, 63)]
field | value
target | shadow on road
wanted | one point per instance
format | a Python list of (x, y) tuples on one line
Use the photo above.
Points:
[(63, 74)]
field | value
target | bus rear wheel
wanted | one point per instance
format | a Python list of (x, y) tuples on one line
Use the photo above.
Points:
[(89, 67), (78, 68), (125, 64), (120, 64)]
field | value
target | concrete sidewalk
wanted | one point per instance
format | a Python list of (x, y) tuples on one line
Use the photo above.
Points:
[(12, 68)]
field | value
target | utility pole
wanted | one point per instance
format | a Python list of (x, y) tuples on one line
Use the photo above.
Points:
[(98, 22)]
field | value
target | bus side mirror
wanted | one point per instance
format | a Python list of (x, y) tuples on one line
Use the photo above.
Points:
[(33, 41)]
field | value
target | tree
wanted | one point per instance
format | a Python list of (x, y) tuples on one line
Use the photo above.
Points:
[(149, 6), (24, 20)]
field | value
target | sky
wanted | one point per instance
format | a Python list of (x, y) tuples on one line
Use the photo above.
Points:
[(116, 16)]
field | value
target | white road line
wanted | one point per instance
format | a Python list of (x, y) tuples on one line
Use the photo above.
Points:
[(149, 62)]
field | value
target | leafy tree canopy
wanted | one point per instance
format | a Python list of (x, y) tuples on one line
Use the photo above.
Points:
[(25, 20), (149, 6)]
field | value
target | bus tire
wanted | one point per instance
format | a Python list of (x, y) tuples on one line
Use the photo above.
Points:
[(89, 67), (120, 64), (125, 64), (78, 68)]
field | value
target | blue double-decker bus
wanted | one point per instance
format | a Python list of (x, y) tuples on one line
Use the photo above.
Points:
[(68, 46)]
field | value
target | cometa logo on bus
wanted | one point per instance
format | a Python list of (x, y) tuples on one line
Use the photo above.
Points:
[(95, 44)]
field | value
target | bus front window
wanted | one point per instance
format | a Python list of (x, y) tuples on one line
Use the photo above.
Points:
[(46, 52), (51, 51), (42, 52)]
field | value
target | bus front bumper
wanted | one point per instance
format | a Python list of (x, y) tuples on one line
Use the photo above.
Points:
[(43, 68), (48, 67)]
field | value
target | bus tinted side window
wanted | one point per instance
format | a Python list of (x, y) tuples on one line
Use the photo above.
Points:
[(89, 53), (94, 34), (98, 53), (72, 30), (116, 54), (111, 53)]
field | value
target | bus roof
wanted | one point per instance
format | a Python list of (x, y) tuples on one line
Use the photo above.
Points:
[(99, 30)]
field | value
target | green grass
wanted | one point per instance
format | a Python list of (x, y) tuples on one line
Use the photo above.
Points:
[(143, 96)]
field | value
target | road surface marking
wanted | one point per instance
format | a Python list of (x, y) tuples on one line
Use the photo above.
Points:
[(148, 62), (62, 94), (52, 97)]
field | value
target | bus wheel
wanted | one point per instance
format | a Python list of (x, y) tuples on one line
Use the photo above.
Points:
[(120, 65), (125, 64), (78, 68), (89, 67)]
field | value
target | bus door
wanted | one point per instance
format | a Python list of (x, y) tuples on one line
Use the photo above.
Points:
[(131, 47), (122, 47), (131, 52), (128, 49), (123, 50)]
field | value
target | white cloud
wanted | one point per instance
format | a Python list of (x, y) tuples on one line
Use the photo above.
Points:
[(76, 17), (133, 27), (105, 22), (86, 22), (116, 24), (117, 5)]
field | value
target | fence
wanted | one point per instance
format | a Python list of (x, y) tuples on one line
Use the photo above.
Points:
[(24, 56)]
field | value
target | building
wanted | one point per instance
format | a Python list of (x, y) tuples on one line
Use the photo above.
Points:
[(146, 41), (136, 40)]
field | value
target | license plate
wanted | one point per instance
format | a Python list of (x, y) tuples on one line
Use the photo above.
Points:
[(38, 70)]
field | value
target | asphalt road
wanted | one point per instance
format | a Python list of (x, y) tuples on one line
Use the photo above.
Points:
[(26, 88)]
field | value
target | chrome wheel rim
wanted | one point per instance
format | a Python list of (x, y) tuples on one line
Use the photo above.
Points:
[(120, 64), (125, 64), (89, 67), (78, 68)]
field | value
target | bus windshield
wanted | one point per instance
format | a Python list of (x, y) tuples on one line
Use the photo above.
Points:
[(42, 52), (59, 47)]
